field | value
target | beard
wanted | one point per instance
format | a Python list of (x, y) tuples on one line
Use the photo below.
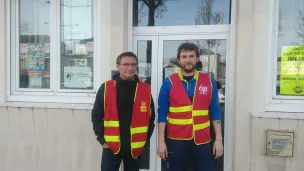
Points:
[(187, 68)]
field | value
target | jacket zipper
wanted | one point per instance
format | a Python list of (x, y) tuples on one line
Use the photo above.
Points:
[(187, 86)]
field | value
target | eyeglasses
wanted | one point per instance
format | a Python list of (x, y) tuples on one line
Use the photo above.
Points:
[(126, 65)]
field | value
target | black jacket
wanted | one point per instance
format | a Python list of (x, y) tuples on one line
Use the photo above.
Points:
[(125, 100)]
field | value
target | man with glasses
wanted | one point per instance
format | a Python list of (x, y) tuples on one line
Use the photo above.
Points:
[(123, 116)]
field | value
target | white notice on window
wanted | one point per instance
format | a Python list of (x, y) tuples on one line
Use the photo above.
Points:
[(77, 77), (80, 62)]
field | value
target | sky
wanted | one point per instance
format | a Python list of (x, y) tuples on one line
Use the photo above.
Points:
[(76, 22), (78, 19), (183, 12), (180, 12)]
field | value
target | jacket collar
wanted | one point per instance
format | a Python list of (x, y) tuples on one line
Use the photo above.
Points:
[(117, 78), (181, 75)]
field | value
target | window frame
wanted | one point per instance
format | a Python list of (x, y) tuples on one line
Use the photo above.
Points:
[(54, 93), (277, 102)]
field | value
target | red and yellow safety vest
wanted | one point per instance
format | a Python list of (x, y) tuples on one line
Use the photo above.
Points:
[(186, 119), (140, 117)]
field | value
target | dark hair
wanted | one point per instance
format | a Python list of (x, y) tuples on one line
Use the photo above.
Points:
[(188, 47), (126, 54)]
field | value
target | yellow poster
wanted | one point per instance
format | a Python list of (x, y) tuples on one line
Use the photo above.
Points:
[(292, 70)]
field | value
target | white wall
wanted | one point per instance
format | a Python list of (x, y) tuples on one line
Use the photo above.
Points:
[(251, 120), (119, 29), (261, 162), (2, 52), (243, 100), (34, 138), (259, 57), (113, 34), (39, 139), (104, 39)]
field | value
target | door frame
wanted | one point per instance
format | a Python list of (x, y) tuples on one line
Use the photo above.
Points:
[(228, 127), (154, 69), (156, 81), (230, 65)]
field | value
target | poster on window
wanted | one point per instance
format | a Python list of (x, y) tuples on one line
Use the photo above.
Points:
[(80, 49), (77, 77), (292, 70), (35, 49), (35, 57), (90, 47), (80, 62), (69, 46), (35, 64), (47, 49), (35, 79), (23, 50)]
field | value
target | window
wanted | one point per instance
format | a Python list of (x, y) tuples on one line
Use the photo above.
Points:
[(52, 47), (290, 50), (76, 45), (180, 12), (34, 45)]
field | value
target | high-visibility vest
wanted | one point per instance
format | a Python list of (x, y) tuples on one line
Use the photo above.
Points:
[(186, 119), (140, 117)]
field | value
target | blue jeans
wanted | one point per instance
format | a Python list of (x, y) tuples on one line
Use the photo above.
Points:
[(111, 162), (179, 152)]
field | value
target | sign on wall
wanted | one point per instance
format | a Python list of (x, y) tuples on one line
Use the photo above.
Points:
[(279, 143), (292, 70)]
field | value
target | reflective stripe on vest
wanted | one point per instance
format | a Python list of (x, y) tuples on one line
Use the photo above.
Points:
[(111, 138), (188, 109), (111, 123), (140, 118), (187, 120), (135, 131)]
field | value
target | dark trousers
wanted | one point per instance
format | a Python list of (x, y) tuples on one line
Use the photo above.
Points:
[(111, 162), (179, 152)]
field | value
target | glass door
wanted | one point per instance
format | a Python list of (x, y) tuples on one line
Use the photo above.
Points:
[(157, 60), (212, 59), (146, 48)]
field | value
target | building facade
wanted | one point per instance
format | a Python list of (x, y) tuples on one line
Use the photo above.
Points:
[(55, 54)]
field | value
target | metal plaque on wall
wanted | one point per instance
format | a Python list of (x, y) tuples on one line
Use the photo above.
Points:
[(279, 143)]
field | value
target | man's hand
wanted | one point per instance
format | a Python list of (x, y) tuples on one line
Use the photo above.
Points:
[(162, 150), (218, 144), (105, 145), (218, 148)]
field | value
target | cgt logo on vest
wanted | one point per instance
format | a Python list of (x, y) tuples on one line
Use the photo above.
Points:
[(143, 107), (203, 89)]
